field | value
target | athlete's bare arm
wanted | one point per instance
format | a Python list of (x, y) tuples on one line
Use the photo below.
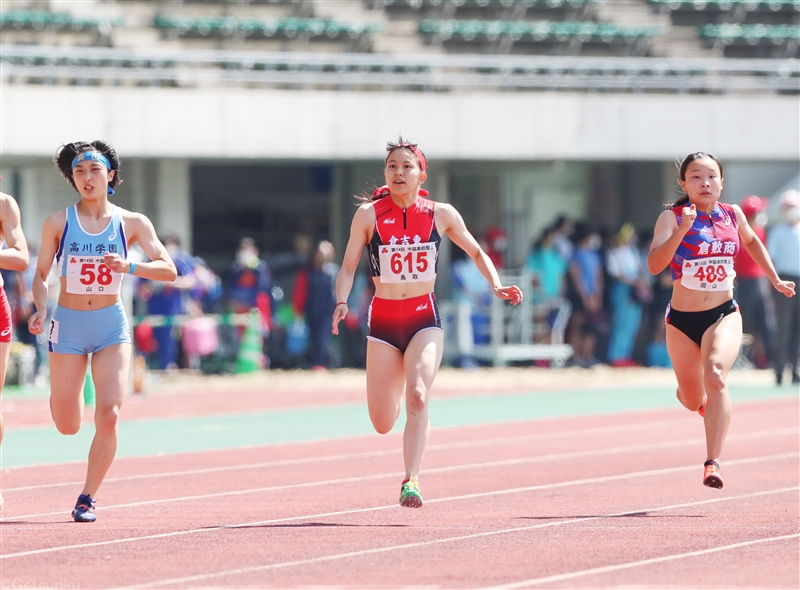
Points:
[(758, 251), (139, 229), (51, 236), (667, 236), (360, 234), (15, 256), (449, 221)]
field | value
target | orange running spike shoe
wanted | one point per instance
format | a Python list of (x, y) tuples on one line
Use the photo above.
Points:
[(702, 409), (711, 475)]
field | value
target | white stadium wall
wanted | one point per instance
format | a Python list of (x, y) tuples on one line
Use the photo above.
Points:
[(272, 124)]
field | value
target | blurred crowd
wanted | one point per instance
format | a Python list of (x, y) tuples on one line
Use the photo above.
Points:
[(616, 307), (594, 283)]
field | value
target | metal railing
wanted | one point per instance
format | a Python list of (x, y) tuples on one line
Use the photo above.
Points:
[(405, 73)]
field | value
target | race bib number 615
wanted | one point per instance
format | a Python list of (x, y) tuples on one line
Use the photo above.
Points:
[(88, 275), (413, 263)]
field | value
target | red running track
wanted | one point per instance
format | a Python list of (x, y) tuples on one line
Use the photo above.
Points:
[(580, 502)]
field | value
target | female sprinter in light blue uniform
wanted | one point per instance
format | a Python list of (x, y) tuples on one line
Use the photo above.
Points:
[(90, 243)]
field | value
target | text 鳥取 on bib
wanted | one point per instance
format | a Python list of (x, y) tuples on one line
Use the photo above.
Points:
[(708, 274), (411, 263), (88, 275)]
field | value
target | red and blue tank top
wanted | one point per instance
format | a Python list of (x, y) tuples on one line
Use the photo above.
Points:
[(704, 259), (405, 242)]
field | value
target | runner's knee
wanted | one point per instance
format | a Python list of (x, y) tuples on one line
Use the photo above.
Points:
[(106, 419), (383, 421), (382, 426), (67, 426), (416, 400), (714, 378)]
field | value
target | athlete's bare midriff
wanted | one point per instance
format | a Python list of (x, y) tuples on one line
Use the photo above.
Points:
[(80, 302), (397, 292), (684, 299)]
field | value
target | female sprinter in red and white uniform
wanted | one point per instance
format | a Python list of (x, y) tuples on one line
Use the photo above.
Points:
[(402, 232), (699, 237), (14, 257), (90, 241)]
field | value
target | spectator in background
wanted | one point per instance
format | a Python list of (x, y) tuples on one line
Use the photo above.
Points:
[(249, 282), (624, 266), (208, 290), (169, 299), (783, 245), (548, 270), (320, 299), (548, 265), (752, 291), (564, 229), (472, 296), (586, 295), (496, 243)]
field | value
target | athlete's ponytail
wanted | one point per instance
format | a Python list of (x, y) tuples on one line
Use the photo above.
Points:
[(65, 154), (682, 167)]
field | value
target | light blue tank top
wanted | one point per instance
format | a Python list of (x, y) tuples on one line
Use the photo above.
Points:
[(86, 250)]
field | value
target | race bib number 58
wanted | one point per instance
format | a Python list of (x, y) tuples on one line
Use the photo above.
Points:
[(708, 274), (88, 275), (413, 263)]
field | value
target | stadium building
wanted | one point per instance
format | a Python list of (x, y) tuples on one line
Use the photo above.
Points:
[(265, 118)]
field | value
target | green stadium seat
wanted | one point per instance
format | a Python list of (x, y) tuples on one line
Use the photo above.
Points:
[(751, 34), (288, 27), (724, 5), (469, 30), (40, 19), (417, 4)]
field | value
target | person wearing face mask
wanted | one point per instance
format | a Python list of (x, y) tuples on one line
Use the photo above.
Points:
[(169, 299), (496, 243), (752, 289), (249, 282), (783, 245), (698, 238)]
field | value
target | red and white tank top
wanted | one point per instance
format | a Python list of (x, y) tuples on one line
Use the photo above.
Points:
[(405, 243)]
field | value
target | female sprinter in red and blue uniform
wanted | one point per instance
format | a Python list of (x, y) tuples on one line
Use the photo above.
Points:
[(402, 231), (90, 241), (699, 237), (14, 257)]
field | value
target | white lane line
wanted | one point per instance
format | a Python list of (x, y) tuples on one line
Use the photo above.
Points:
[(350, 456), (449, 468), (643, 562), (594, 480), (363, 552)]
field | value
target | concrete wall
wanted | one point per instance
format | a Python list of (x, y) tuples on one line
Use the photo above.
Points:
[(274, 124)]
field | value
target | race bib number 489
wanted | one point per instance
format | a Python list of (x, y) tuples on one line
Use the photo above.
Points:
[(413, 263), (708, 274), (88, 275)]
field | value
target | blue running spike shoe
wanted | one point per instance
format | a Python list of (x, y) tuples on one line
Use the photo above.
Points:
[(84, 509), (409, 493)]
